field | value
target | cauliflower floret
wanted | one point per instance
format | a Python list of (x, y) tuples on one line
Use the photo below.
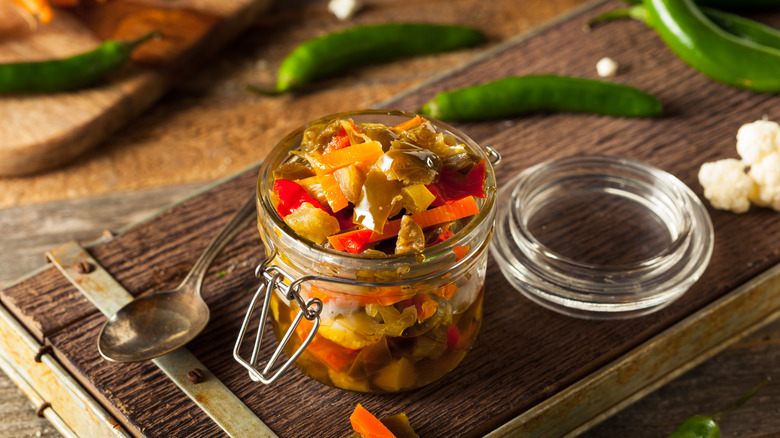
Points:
[(344, 9), (726, 185), (766, 175), (757, 140), (606, 67)]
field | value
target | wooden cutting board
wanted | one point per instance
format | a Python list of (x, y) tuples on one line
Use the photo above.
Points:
[(39, 132), (525, 355)]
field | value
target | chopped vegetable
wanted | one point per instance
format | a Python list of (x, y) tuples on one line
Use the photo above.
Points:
[(353, 242), (377, 200), (291, 196), (372, 190), (705, 426), (410, 236), (398, 375), (459, 209), (460, 251), (606, 67), (293, 171), (337, 357), (399, 426), (312, 223), (453, 185), (426, 306), (329, 187), (410, 165), (411, 123), (367, 425), (367, 152), (417, 198), (350, 180), (40, 9), (729, 185)]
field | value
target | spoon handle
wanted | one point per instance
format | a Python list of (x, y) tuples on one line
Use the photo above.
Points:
[(226, 234)]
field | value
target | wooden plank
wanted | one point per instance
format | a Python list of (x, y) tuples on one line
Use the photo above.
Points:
[(54, 391), (31, 230), (524, 354), (708, 389), (43, 131)]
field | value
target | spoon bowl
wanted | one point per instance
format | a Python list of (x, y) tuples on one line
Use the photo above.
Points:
[(160, 322), (151, 326)]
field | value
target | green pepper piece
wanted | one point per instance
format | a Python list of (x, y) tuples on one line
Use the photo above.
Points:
[(335, 52), (377, 200), (399, 425), (516, 95), (293, 171), (698, 426), (410, 236), (68, 73), (410, 164), (703, 426), (721, 56)]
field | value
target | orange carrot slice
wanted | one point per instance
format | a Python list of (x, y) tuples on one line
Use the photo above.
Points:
[(425, 306), (447, 291), (449, 212), (460, 251), (336, 198), (367, 425), (335, 356), (39, 9), (367, 152), (411, 123), (329, 187)]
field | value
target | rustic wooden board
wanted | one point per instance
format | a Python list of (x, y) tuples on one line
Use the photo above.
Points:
[(524, 353), (43, 131)]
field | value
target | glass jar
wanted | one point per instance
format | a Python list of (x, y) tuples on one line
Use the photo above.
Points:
[(389, 323), (601, 237)]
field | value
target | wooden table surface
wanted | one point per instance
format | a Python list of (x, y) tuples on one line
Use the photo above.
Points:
[(182, 144)]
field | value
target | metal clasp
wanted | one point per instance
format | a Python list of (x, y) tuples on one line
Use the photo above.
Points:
[(272, 277), (493, 156)]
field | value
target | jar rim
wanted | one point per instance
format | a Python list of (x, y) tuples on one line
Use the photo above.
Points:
[(280, 152)]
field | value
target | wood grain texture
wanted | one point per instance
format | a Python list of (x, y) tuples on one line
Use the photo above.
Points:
[(44, 131), (708, 389), (209, 126), (524, 353)]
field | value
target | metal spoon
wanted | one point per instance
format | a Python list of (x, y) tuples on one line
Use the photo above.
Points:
[(161, 322)]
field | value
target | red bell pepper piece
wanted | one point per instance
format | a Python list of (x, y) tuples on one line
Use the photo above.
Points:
[(291, 196), (439, 201), (453, 336), (453, 185), (353, 242), (340, 140)]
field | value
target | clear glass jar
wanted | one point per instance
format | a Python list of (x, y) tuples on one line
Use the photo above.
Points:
[(601, 237), (387, 323)]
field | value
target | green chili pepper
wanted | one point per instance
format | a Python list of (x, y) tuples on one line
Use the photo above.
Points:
[(332, 53), (703, 426), (732, 5), (743, 27), (518, 95), (734, 24), (68, 73), (721, 56)]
